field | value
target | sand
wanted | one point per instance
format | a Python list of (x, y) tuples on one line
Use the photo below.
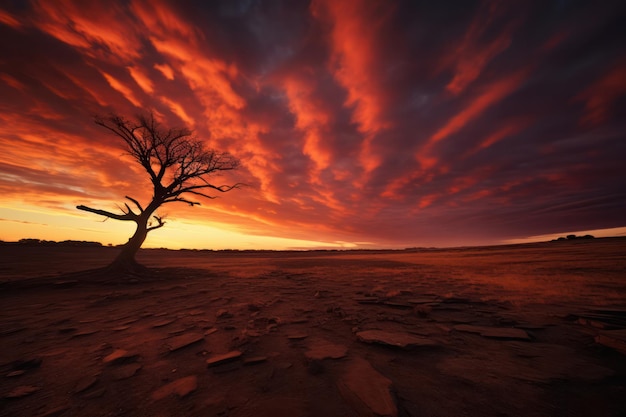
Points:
[(524, 330)]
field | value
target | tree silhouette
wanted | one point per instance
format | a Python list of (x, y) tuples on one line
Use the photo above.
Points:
[(179, 167)]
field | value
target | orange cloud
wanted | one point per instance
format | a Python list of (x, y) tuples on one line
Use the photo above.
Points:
[(166, 70), (85, 25), (511, 128), (7, 19), (600, 95), (354, 43), (141, 79), (472, 55), (122, 89), (491, 94), (311, 119)]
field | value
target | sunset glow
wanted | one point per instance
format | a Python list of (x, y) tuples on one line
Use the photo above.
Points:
[(358, 123)]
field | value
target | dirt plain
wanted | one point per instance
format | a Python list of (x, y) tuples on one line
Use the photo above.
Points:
[(521, 330)]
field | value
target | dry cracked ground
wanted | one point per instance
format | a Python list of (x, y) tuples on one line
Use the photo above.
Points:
[(530, 330)]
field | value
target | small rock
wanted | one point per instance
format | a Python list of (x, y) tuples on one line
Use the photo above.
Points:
[(22, 391), (15, 373), (180, 387), (26, 364), (119, 356), (210, 331), (120, 328), (126, 371), (254, 360), (494, 332), (96, 393), (223, 358), (85, 383), (56, 412), (297, 336), (367, 300), (222, 313), (163, 323), (615, 339), (184, 340), (85, 332), (395, 339)]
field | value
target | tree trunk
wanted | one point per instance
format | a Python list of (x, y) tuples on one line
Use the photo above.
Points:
[(125, 261)]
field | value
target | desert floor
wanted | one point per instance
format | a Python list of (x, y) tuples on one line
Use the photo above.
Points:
[(526, 330)]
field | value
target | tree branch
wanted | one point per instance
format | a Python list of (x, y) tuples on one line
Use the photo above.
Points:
[(136, 203), (160, 224), (125, 217)]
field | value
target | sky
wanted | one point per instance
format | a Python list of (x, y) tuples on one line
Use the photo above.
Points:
[(358, 123)]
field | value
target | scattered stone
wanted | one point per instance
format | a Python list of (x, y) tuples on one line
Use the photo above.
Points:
[(196, 312), (421, 301), (119, 356), (393, 304), (323, 349), (163, 323), (86, 332), (494, 332), (120, 328), (615, 339), (367, 300), (222, 313), (283, 365), (97, 393), (184, 340), (364, 387), (85, 383), (297, 336), (65, 283), (56, 412), (254, 360), (26, 364), (64, 330), (223, 358), (180, 387), (395, 339), (126, 371), (22, 391)]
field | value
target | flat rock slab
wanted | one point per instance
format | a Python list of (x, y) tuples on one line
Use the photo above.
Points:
[(494, 332), (223, 358), (119, 356), (180, 387), (323, 349), (615, 339), (184, 340), (366, 389), (395, 339)]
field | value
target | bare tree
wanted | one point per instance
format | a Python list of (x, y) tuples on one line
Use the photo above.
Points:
[(179, 168)]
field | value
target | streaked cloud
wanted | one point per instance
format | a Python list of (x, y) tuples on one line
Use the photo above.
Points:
[(394, 123)]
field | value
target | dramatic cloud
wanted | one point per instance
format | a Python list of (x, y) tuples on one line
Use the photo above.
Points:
[(358, 122)]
